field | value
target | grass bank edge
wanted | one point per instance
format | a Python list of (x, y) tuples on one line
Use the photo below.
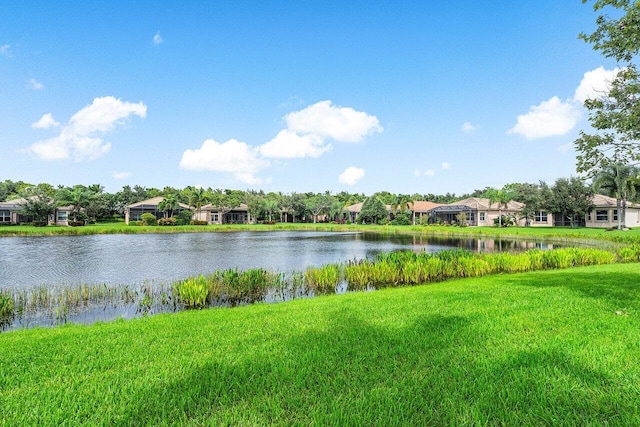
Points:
[(568, 233)]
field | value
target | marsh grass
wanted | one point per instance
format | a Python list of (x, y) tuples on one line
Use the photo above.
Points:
[(231, 287)]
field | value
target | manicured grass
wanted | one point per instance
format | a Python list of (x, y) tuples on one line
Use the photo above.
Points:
[(547, 348)]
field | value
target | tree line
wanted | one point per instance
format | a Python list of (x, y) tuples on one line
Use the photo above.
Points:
[(571, 197)]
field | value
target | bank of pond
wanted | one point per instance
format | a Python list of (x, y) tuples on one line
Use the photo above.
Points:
[(88, 303)]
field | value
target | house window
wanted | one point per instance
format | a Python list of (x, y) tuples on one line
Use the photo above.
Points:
[(214, 217), (482, 216), (589, 216), (5, 216), (540, 216), (471, 216), (62, 216), (615, 214), (602, 215)]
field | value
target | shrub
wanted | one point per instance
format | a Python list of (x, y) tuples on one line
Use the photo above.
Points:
[(199, 222), (403, 218), (75, 223), (506, 220), (148, 219), (167, 221), (192, 292), (183, 217), (39, 223)]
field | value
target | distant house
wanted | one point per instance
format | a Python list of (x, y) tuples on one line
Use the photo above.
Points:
[(420, 209), (10, 213), (353, 211), (134, 211), (605, 213), (216, 215), (478, 211)]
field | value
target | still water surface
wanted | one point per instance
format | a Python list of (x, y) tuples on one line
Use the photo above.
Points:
[(135, 259)]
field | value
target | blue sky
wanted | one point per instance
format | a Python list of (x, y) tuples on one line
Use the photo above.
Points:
[(361, 96)]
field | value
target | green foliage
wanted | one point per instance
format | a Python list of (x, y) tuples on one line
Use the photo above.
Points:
[(7, 307), (323, 280), (613, 116), (192, 292), (148, 219), (570, 197), (36, 205), (403, 218), (183, 217), (171, 221), (373, 211), (504, 221)]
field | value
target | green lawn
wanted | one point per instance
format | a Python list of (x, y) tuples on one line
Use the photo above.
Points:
[(547, 348)]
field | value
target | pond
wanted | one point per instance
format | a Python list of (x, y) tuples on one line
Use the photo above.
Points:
[(111, 259), (84, 279)]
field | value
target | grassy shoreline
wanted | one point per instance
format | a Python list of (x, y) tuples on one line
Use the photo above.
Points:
[(629, 236), (556, 347)]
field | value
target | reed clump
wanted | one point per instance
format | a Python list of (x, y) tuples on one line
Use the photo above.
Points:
[(323, 280), (408, 268), (192, 292), (7, 307)]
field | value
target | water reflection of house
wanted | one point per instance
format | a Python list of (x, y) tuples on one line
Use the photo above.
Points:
[(10, 213)]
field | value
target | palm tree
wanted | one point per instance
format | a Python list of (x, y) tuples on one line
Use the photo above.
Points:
[(78, 197), (619, 181), (168, 204), (502, 197), (198, 197)]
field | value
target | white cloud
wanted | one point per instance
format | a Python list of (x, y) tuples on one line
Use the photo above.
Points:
[(595, 84), (341, 124), (351, 176), (416, 172), (288, 145), (467, 127), (157, 39), (5, 50), (231, 156), (429, 172), (35, 85), (80, 137), (446, 165), (121, 175), (45, 122), (550, 118)]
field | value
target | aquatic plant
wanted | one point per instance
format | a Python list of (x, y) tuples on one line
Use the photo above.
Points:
[(192, 292), (323, 280)]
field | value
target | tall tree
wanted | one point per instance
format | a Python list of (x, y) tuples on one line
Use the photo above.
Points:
[(569, 197), (618, 181), (613, 115), (77, 197), (169, 205), (373, 211), (37, 204), (502, 197)]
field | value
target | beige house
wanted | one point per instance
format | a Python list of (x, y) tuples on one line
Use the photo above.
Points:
[(420, 210), (216, 215), (479, 212), (134, 211), (10, 214), (605, 213)]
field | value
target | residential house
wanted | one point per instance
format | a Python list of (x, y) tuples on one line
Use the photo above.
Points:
[(605, 213), (10, 214), (134, 211), (217, 215), (478, 211), (420, 210)]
